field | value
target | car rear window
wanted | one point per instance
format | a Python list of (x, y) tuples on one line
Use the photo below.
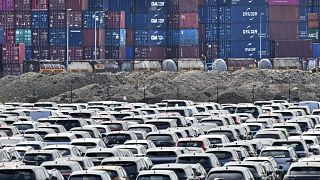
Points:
[(118, 138), (154, 177), (275, 154), (296, 145), (17, 174), (305, 170), (215, 140), (159, 137), (23, 126), (105, 154), (190, 144), (268, 136), (160, 125), (223, 155), (115, 126), (38, 157), (56, 139), (152, 154), (86, 144), (85, 177)]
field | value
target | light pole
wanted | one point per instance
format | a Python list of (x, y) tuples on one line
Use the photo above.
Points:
[(67, 63), (260, 34), (96, 18)]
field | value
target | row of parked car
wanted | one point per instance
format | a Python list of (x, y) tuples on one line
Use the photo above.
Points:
[(171, 140)]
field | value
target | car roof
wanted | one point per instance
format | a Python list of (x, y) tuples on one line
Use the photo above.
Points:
[(162, 172), (59, 163), (172, 165), (277, 148), (91, 172), (86, 140), (106, 167), (232, 168)]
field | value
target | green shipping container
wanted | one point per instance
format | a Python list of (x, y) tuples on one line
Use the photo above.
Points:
[(23, 36), (313, 34)]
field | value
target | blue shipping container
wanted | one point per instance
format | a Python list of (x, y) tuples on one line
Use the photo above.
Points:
[(316, 50), (75, 37), (126, 5), (157, 38), (249, 31), (57, 37), (157, 20), (141, 37), (303, 30), (111, 5), (89, 19), (250, 49), (249, 2), (218, 2), (249, 14), (28, 53), (129, 52), (95, 5), (157, 5), (1, 36), (217, 32), (216, 14), (115, 37), (129, 20), (184, 37), (40, 19), (140, 6), (140, 20)]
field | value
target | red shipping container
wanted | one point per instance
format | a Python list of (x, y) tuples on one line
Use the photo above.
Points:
[(182, 52), (115, 20), (115, 52), (41, 52), (23, 19), (6, 5), (57, 4), (183, 20), (39, 5), (22, 5), (141, 53), (293, 48), (129, 37), (284, 2), (57, 19), (58, 53), (89, 52), (75, 53), (202, 32), (13, 53), (156, 53), (7, 20), (283, 30), (88, 38), (40, 37), (77, 5), (75, 19), (12, 69), (283, 13), (9, 36)]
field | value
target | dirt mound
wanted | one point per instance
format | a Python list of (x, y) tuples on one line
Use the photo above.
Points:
[(152, 87)]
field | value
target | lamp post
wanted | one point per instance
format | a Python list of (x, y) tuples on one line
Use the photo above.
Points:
[(260, 34), (96, 18), (67, 63)]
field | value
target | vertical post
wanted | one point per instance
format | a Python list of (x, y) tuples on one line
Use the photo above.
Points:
[(217, 94), (253, 93), (289, 90), (95, 35), (260, 38), (71, 92), (67, 63), (144, 93)]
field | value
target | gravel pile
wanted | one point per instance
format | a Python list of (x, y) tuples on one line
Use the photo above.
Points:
[(152, 87)]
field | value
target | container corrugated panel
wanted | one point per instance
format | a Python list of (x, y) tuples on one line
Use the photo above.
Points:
[(303, 30), (283, 2), (7, 19), (22, 5), (13, 53), (40, 5), (76, 53), (23, 19), (141, 52), (9, 37), (140, 20), (250, 49), (157, 5), (129, 37), (303, 12), (58, 53), (293, 48), (57, 36), (77, 5), (250, 14), (89, 52), (183, 6), (41, 52), (316, 50), (28, 53), (140, 6), (95, 4), (210, 50), (129, 20), (89, 34), (115, 20), (216, 32), (40, 19), (218, 2), (141, 37), (57, 4), (57, 19), (75, 19), (89, 20), (157, 38), (157, 20), (283, 30), (23, 36), (129, 52), (248, 2), (156, 53), (116, 37), (283, 13), (115, 52), (249, 31), (215, 14), (182, 52), (2, 36), (40, 37), (75, 37), (126, 5), (6, 5), (183, 20), (12, 69), (187, 37)]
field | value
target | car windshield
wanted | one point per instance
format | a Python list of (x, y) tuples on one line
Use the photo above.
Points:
[(228, 175), (254, 128), (190, 144), (118, 138), (222, 155), (85, 177), (152, 154), (38, 157), (22, 127), (17, 174), (160, 125), (154, 177), (159, 137), (215, 140), (56, 139), (204, 161), (81, 115), (68, 124), (275, 154), (250, 110), (305, 170), (86, 144), (296, 145), (96, 154), (268, 136)]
